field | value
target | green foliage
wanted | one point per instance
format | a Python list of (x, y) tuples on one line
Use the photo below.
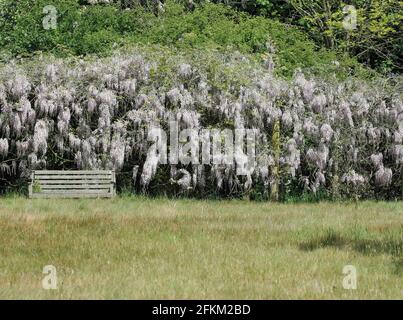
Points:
[(266, 8), (375, 40), (36, 188), (99, 29)]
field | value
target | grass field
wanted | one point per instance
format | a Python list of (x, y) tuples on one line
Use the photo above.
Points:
[(144, 248)]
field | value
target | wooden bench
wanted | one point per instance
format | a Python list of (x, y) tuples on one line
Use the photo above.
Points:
[(72, 184)]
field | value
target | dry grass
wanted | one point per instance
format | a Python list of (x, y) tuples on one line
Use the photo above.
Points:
[(143, 248)]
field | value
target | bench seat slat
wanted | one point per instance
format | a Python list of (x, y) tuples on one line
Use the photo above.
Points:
[(72, 172), (75, 177), (76, 181), (59, 191), (76, 186), (70, 195)]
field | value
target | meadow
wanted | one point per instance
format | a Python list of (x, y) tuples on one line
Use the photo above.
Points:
[(142, 248)]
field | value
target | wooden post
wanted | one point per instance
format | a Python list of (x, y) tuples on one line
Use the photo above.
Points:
[(31, 184), (275, 141), (401, 177), (113, 191), (335, 181), (335, 154)]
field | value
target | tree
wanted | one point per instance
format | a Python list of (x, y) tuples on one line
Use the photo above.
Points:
[(374, 37)]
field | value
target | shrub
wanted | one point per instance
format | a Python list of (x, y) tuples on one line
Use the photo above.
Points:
[(330, 137), (99, 29)]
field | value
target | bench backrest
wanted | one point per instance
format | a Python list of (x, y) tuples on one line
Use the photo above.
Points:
[(72, 184)]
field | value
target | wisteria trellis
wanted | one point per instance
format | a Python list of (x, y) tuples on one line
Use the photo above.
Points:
[(344, 137)]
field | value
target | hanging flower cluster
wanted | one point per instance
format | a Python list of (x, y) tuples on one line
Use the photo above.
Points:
[(96, 115)]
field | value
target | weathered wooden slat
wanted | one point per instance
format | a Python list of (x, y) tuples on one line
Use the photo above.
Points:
[(77, 181), (77, 186), (81, 191), (71, 172), (75, 177), (70, 195), (59, 191)]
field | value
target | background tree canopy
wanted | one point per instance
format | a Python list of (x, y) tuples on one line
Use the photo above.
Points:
[(305, 34)]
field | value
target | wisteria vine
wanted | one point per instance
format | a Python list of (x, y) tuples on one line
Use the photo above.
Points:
[(341, 137)]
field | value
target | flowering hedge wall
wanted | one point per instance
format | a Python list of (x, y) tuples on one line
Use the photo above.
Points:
[(338, 139)]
